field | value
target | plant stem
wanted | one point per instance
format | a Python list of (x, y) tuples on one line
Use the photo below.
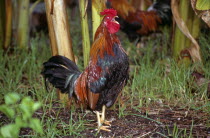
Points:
[(33, 6), (53, 44), (8, 24), (23, 24), (196, 26), (2, 22), (179, 37), (97, 7), (85, 31), (189, 22)]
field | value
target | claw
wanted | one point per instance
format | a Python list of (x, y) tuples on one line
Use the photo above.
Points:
[(105, 128), (106, 122)]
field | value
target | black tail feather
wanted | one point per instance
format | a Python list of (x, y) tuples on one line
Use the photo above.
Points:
[(61, 73), (65, 62)]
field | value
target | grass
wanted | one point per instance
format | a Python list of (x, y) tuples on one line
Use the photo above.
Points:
[(151, 82), (155, 79)]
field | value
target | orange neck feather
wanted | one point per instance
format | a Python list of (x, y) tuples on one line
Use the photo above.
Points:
[(103, 43)]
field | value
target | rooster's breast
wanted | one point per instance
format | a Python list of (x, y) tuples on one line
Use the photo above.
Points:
[(113, 77)]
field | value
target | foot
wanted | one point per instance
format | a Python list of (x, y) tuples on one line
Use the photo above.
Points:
[(106, 122), (105, 128), (101, 121)]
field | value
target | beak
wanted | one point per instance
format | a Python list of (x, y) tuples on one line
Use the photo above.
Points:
[(115, 20)]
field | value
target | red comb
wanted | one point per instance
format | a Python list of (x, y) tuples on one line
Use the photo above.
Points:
[(109, 12)]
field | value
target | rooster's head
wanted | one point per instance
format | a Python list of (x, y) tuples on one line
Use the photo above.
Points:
[(109, 20)]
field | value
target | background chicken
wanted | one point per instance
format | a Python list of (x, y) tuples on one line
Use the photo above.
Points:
[(38, 18), (104, 78), (136, 23)]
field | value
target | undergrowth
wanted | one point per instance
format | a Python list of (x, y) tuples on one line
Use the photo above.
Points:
[(155, 80)]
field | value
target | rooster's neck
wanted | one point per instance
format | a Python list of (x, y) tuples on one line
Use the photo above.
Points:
[(103, 43)]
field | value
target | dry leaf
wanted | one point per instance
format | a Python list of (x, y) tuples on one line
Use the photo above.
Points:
[(194, 50)]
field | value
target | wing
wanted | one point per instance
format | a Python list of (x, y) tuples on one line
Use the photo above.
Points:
[(107, 78), (98, 77), (148, 20)]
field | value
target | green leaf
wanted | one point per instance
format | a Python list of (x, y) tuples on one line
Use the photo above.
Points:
[(26, 107), (12, 98), (35, 124), (203, 4), (10, 131), (19, 122), (9, 112), (36, 106)]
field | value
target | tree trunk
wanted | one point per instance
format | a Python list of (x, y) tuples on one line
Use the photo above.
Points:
[(53, 42), (85, 31), (59, 31), (2, 22), (15, 18), (8, 24), (23, 24)]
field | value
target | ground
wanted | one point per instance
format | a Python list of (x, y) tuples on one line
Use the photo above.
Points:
[(156, 121)]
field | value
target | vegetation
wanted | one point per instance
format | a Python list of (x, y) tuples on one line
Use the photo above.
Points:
[(20, 114), (59, 30), (157, 88), (186, 29), (2, 23), (85, 31), (8, 23), (23, 24), (156, 81), (97, 6)]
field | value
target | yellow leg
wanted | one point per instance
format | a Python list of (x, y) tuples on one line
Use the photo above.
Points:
[(101, 120), (103, 117)]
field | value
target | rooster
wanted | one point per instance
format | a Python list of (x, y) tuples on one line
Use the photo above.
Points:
[(137, 23), (99, 85)]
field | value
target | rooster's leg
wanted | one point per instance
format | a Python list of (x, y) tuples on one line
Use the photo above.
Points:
[(103, 117), (101, 120)]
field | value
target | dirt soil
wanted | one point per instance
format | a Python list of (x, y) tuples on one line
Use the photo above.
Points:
[(141, 122)]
